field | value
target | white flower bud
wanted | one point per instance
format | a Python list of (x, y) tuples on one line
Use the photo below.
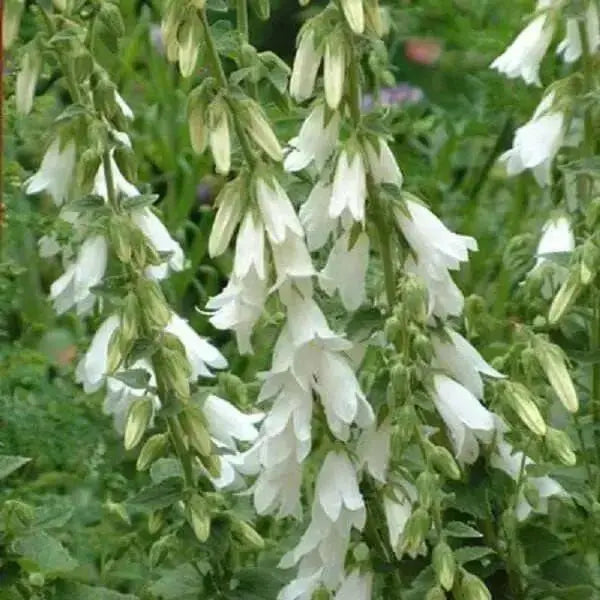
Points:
[(27, 79), (354, 13), (552, 361), (219, 138), (11, 19), (306, 64), (259, 129), (138, 420), (334, 70), (228, 216)]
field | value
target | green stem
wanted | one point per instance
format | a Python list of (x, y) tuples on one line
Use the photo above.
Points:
[(385, 248), (176, 434), (108, 176), (242, 18)]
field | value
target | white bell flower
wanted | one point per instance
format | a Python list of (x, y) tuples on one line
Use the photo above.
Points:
[(306, 65), (250, 247), (382, 163), (121, 185), (349, 186), (397, 506), (537, 142), (73, 287), (346, 270), (557, 237), (226, 220), (226, 423), (26, 79), (334, 71), (123, 106), (454, 354), (302, 588), (199, 352), (315, 142), (355, 15), (91, 370), (55, 174), (356, 586), (292, 260), (277, 212), (314, 216), (523, 57), (467, 420), (374, 449), (570, 47)]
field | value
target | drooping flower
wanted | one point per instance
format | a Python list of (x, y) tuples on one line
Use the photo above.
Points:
[(26, 80), (557, 237), (349, 186), (314, 216), (334, 70), (356, 586), (467, 420), (250, 248), (91, 370), (537, 142), (227, 218), (199, 352), (453, 353), (292, 260), (306, 65), (397, 505), (346, 270), (570, 47), (277, 212), (436, 250), (523, 57), (382, 163), (73, 287), (123, 106), (315, 141), (374, 448), (55, 174)]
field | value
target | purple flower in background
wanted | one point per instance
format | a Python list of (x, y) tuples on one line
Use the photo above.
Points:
[(404, 93)]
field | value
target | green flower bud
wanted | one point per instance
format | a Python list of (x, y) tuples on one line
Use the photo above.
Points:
[(155, 522), (435, 593), (31, 64), (399, 378), (197, 129), (172, 369), (262, 8), (416, 529), (129, 320), (126, 161), (392, 329), (414, 294), (17, 515), (138, 419), (566, 296), (154, 447), (589, 262), (473, 588), (405, 421), (11, 20), (105, 97), (155, 310), (110, 16), (115, 352), (199, 517), (552, 361), (321, 593), (423, 347), (444, 565), (427, 486), (120, 238), (259, 129), (233, 387), (218, 135), (194, 425), (247, 533), (444, 462), (190, 36), (521, 401), (37, 579), (353, 11), (559, 445)]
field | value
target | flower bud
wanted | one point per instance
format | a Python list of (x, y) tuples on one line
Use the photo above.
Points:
[(589, 262), (17, 515), (399, 378), (155, 521), (259, 129), (306, 64), (194, 425), (374, 17), (199, 517), (247, 533), (155, 310), (322, 593), (218, 136), (153, 448), (129, 317), (427, 485), (559, 445), (138, 419), (262, 8), (353, 11), (189, 41), (414, 295), (416, 529), (444, 565), (334, 70), (37, 579), (31, 64), (105, 97), (423, 347), (110, 16), (473, 588), (233, 387), (115, 352), (125, 159), (567, 294), (11, 19), (531, 493), (197, 129), (172, 369), (444, 462), (392, 328), (88, 166), (228, 216), (435, 593), (521, 401), (552, 361), (120, 238)]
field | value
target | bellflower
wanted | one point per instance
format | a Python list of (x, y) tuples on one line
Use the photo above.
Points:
[(250, 248), (334, 70), (570, 47), (315, 141), (306, 65), (55, 174), (277, 212), (382, 163), (349, 186), (292, 260), (557, 237), (356, 586), (397, 505), (537, 142), (374, 449), (523, 57), (314, 216), (468, 422), (453, 353), (73, 287)]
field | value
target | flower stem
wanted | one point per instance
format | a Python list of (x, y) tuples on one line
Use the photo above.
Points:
[(242, 18), (176, 434)]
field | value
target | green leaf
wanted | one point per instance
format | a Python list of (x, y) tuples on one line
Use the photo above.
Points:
[(134, 378), (181, 583), (470, 553), (8, 464), (459, 529), (540, 545), (43, 553), (79, 591), (49, 517), (217, 5), (165, 468), (157, 496), (140, 201)]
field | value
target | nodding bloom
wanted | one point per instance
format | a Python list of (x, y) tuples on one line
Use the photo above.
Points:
[(73, 287), (374, 449), (306, 65), (315, 142), (356, 586), (557, 236), (570, 47), (349, 191), (467, 420), (436, 251), (537, 142), (314, 216), (55, 174), (523, 57), (397, 505), (453, 353)]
